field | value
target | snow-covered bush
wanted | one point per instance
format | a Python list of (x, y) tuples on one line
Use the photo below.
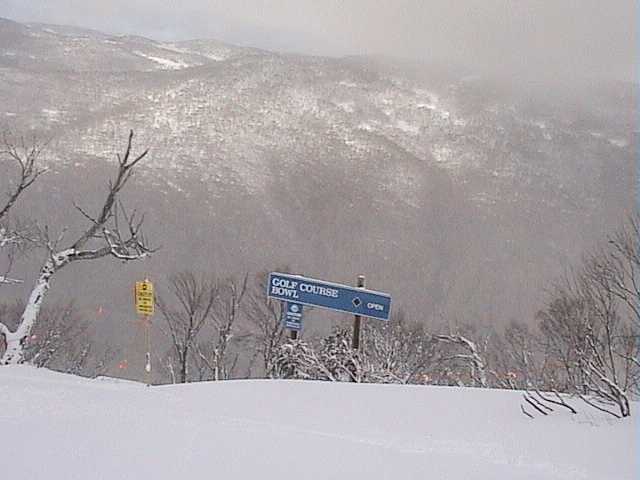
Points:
[(295, 360), (338, 360), (398, 351)]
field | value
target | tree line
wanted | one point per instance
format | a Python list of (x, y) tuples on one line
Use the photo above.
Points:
[(584, 342)]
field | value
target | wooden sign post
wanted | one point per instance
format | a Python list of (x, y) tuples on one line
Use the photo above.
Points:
[(357, 319)]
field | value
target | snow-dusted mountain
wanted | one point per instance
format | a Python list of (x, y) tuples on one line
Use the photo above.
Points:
[(461, 197)]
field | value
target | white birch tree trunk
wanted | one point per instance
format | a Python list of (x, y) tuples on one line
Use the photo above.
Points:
[(14, 354)]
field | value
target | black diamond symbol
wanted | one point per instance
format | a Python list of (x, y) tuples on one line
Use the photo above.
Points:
[(356, 302)]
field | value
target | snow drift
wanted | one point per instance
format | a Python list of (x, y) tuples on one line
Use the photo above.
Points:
[(56, 426)]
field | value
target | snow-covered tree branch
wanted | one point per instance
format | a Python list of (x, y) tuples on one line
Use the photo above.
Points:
[(472, 357), (111, 232)]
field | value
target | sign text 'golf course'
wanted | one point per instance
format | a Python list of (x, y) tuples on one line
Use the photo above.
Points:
[(342, 298)]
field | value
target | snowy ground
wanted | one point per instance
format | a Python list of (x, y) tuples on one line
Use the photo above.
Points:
[(55, 426)]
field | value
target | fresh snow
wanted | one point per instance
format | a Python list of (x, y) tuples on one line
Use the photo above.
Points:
[(408, 128), (165, 63), (619, 142), (52, 115), (172, 48), (54, 426), (217, 54)]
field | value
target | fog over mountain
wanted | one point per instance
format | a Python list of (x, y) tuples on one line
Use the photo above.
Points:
[(528, 40), (461, 195)]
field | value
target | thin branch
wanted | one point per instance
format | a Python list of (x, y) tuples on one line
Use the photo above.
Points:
[(597, 407), (525, 412), (560, 402), (528, 400)]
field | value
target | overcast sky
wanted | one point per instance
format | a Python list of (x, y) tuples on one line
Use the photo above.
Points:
[(545, 38)]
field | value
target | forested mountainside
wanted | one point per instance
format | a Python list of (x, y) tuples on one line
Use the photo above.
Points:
[(460, 196)]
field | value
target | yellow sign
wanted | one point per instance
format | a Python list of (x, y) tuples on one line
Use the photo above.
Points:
[(144, 298)]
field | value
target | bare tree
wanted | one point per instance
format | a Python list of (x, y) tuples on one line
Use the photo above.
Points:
[(515, 360), (621, 266), (111, 232), (24, 156), (192, 302), (564, 325), (62, 341), (606, 368), (214, 353), (265, 319), (59, 333), (590, 333)]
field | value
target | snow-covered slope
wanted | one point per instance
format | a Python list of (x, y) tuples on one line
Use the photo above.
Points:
[(54, 427)]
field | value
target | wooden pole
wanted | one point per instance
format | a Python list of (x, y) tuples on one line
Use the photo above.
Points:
[(357, 319)]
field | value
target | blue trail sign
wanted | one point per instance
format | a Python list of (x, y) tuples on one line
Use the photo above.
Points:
[(292, 316), (318, 293)]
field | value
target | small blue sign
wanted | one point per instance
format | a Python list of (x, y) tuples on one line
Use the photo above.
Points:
[(292, 316), (318, 293)]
